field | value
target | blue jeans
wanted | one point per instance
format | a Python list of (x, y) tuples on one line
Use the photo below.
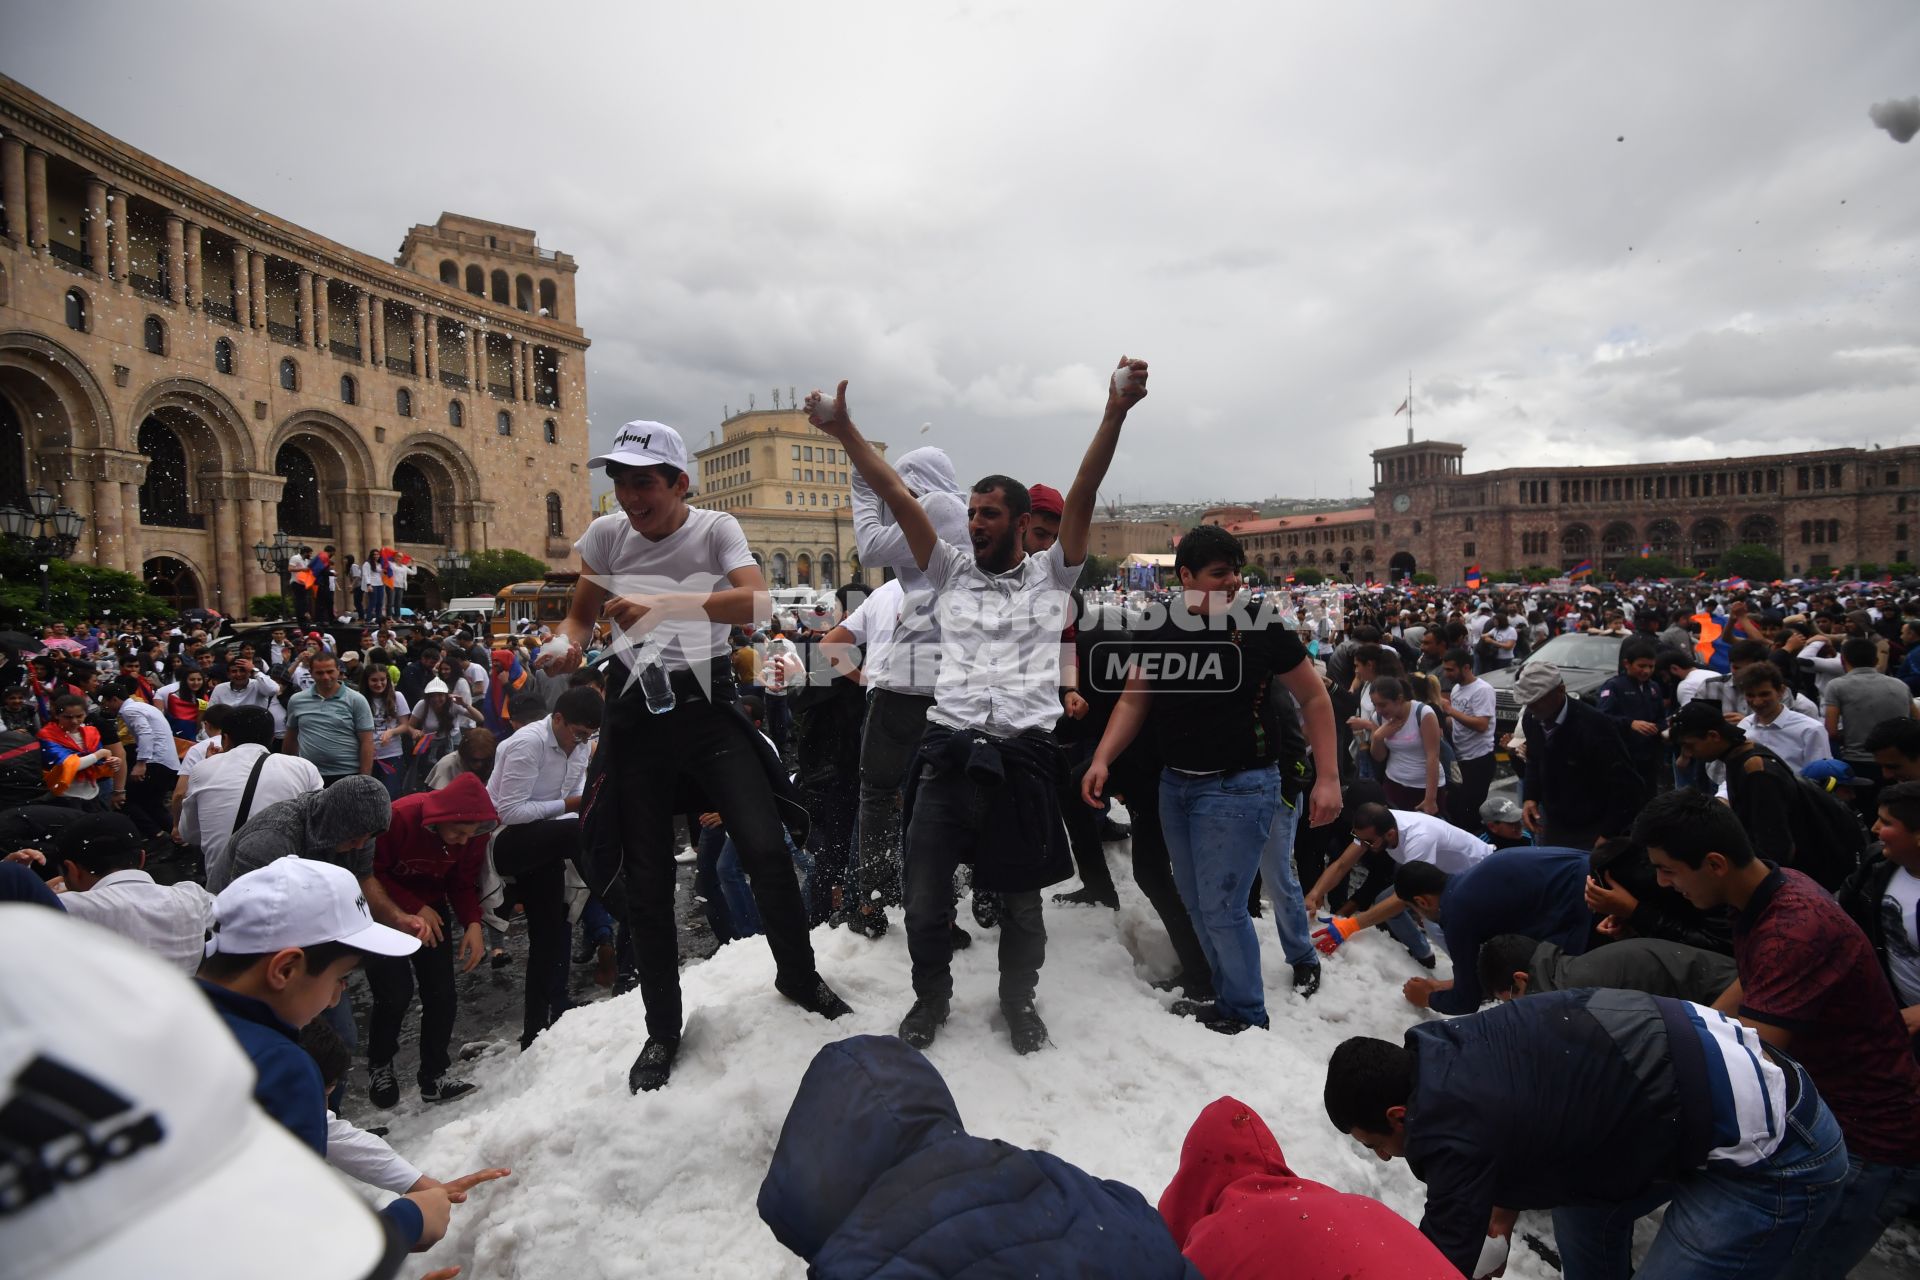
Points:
[(1216, 828), (1410, 933), (1746, 1223), (737, 893), (1873, 1197), (1283, 887)]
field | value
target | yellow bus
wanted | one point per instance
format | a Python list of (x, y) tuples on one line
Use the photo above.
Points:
[(541, 601)]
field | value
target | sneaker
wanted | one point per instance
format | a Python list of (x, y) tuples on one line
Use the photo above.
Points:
[(1197, 991), (1200, 1010), (1024, 1026), (986, 909), (870, 922), (687, 855), (445, 1089), (959, 939), (1084, 897), (385, 1090), (1231, 1026), (501, 959), (923, 1021), (626, 980), (815, 997), (604, 967), (1306, 980), (654, 1067)]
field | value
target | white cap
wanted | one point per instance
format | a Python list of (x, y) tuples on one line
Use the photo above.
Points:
[(646, 444), (436, 685), (299, 902), (132, 1144)]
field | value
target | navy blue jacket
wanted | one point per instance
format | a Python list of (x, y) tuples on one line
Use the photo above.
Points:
[(1541, 893), (874, 1177), (1572, 1097), (1624, 700)]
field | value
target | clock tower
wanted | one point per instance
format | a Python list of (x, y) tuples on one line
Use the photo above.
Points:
[(1408, 480)]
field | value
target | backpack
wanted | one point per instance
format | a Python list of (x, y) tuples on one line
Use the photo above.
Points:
[(1828, 840), (20, 769)]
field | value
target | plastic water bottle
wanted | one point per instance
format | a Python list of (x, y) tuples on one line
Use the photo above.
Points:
[(654, 684)]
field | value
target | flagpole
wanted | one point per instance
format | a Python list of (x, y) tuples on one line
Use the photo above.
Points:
[(1409, 406)]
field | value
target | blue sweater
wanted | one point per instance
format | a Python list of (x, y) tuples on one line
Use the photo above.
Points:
[(875, 1177), (1537, 892)]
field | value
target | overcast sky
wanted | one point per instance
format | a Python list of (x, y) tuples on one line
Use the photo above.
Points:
[(1597, 233)]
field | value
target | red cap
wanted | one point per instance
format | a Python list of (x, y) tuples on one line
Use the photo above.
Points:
[(1045, 500)]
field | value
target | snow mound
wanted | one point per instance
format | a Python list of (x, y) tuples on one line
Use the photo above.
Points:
[(609, 1186)]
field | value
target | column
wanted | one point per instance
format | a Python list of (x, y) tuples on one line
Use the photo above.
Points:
[(322, 321), (36, 198), (130, 521), (97, 225), (176, 257), (108, 536), (13, 186), (229, 577), (256, 526), (477, 359), (366, 327), (257, 269), (303, 306), (117, 234), (526, 372), (378, 351), (195, 296), (416, 359), (429, 350), (242, 277)]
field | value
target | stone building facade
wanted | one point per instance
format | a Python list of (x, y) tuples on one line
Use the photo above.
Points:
[(193, 374), (1819, 511), (790, 487)]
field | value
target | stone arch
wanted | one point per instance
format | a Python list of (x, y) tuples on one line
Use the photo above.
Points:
[(1576, 543), (462, 476), (803, 570), (1760, 531), (1617, 544), (476, 281), (549, 298), (432, 481), (172, 575), (218, 434), (60, 403), (777, 571), (338, 450), (450, 272), (1663, 537), (826, 566), (1707, 542)]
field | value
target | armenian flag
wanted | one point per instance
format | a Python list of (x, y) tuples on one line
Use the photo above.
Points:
[(1582, 570), (1475, 580), (1646, 551)]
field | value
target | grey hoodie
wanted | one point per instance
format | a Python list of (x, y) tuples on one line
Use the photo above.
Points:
[(1653, 965), (929, 473), (309, 826)]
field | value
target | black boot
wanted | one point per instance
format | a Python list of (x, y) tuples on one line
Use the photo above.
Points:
[(869, 921), (1306, 980), (652, 1069), (1084, 897), (958, 938), (1023, 1025), (815, 996), (986, 909), (924, 1020)]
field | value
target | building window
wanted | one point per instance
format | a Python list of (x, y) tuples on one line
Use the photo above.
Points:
[(1467, 550), (1900, 532), (403, 402), (1469, 528), (450, 272), (1833, 531), (807, 453), (789, 497), (556, 527), (154, 335), (223, 356), (289, 375), (813, 499), (456, 416), (348, 395), (553, 431), (796, 448), (76, 310), (503, 423), (1900, 503), (1806, 532)]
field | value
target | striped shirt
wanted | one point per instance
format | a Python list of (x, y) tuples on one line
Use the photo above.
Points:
[(1749, 1090)]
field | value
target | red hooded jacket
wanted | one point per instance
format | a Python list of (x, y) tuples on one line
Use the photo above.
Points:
[(418, 868), (1236, 1209)]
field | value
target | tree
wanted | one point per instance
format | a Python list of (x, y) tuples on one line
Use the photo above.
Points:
[(1538, 573), (1308, 577), (75, 591), (488, 571), (1424, 580), (1254, 574), (1754, 562), (1650, 567), (1099, 570), (269, 607)]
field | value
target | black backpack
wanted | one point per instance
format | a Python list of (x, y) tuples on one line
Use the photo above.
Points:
[(1828, 840), (21, 766)]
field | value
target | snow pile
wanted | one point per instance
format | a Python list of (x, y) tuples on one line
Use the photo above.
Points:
[(606, 1184)]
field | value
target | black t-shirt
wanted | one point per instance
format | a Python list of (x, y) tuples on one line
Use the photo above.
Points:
[(1212, 710)]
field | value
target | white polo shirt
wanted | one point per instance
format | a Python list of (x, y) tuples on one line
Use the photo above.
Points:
[(213, 797), (1429, 839), (170, 920)]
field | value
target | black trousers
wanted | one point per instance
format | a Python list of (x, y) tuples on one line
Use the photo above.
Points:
[(391, 980), (1465, 798), (536, 854), (1083, 826), (1153, 872), (888, 743), (831, 844), (711, 745), (147, 799), (948, 811)]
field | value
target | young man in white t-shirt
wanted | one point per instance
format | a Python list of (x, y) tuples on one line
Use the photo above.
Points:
[(672, 579), (996, 699), (1883, 897), (1469, 710)]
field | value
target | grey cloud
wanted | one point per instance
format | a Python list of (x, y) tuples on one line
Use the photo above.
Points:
[(1900, 117)]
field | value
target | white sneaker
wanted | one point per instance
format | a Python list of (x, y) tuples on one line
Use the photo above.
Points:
[(686, 855)]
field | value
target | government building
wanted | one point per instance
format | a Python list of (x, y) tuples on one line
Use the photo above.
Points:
[(193, 375), (1818, 511), (789, 485)]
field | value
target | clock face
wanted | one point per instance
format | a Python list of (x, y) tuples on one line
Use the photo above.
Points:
[(1401, 502)]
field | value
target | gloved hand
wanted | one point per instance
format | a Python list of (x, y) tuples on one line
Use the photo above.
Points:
[(1338, 930)]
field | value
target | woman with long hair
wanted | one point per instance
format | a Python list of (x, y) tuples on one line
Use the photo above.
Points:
[(1407, 743), (184, 702), (391, 728)]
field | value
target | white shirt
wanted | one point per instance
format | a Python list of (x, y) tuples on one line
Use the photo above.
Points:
[(214, 791), (883, 543), (1000, 640), (382, 722), (872, 625), (170, 920), (1435, 840), (1798, 739), (1476, 699), (1693, 684), (696, 558), (197, 753), (366, 1157), (532, 777), (1899, 907), (153, 736), (260, 691)]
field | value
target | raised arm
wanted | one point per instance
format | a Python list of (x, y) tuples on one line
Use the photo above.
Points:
[(831, 417), (1078, 513)]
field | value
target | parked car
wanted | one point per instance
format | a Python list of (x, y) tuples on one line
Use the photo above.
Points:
[(1586, 662)]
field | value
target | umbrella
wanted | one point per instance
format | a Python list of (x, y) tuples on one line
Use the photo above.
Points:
[(68, 643), (17, 642)]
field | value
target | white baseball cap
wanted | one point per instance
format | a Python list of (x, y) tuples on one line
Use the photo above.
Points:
[(646, 444), (130, 1143), (299, 902)]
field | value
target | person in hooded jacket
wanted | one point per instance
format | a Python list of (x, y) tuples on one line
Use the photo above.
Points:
[(900, 698), (876, 1177), (430, 862), (1235, 1207)]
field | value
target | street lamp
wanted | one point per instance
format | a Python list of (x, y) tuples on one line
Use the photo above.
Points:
[(272, 558), (42, 528), (452, 566)]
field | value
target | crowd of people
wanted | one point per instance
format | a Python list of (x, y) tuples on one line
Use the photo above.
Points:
[(1680, 923)]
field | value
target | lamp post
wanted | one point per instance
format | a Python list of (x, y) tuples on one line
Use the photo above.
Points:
[(272, 558), (453, 567), (44, 529)]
